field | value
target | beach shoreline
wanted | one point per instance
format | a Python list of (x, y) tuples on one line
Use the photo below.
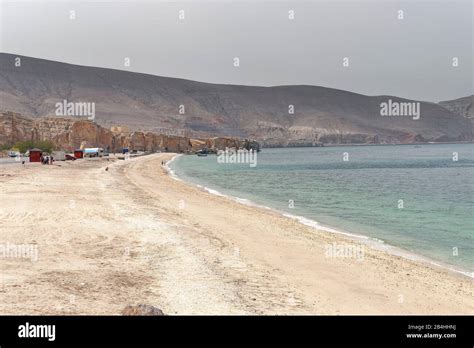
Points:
[(379, 244), (133, 234)]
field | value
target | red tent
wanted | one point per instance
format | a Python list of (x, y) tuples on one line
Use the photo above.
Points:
[(79, 153), (35, 155)]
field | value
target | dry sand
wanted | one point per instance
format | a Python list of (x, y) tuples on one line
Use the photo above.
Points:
[(132, 234)]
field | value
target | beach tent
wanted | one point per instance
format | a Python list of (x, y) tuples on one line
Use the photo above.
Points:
[(78, 153), (35, 155)]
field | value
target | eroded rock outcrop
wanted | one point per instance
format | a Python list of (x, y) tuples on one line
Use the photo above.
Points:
[(70, 133)]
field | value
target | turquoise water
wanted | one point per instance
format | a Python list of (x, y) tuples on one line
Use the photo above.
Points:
[(362, 195)]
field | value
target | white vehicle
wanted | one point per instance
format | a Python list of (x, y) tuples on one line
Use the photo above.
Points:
[(93, 152), (13, 154)]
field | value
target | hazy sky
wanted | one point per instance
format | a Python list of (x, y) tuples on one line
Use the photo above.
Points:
[(410, 58)]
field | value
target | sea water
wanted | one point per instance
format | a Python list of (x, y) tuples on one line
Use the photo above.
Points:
[(417, 198)]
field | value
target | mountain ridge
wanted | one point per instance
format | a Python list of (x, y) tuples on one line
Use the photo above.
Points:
[(461, 106), (152, 103)]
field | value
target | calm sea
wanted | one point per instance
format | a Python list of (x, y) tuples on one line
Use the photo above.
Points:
[(417, 198)]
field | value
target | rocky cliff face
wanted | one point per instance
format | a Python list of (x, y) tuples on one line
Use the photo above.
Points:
[(69, 134), (14, 127), (274, 116)]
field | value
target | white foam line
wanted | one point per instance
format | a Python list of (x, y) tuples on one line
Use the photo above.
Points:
[(375, 243), (171, 171)]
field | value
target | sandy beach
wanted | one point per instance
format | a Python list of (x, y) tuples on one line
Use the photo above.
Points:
[(132, 234)]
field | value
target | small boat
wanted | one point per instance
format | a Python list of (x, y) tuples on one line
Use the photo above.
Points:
[(202, 153)]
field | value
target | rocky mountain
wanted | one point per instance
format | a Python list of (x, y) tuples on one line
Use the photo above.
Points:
[(461, 106), (275, 116), (70, 133)]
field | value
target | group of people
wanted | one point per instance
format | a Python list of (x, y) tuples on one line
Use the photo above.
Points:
[(47, 159)]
